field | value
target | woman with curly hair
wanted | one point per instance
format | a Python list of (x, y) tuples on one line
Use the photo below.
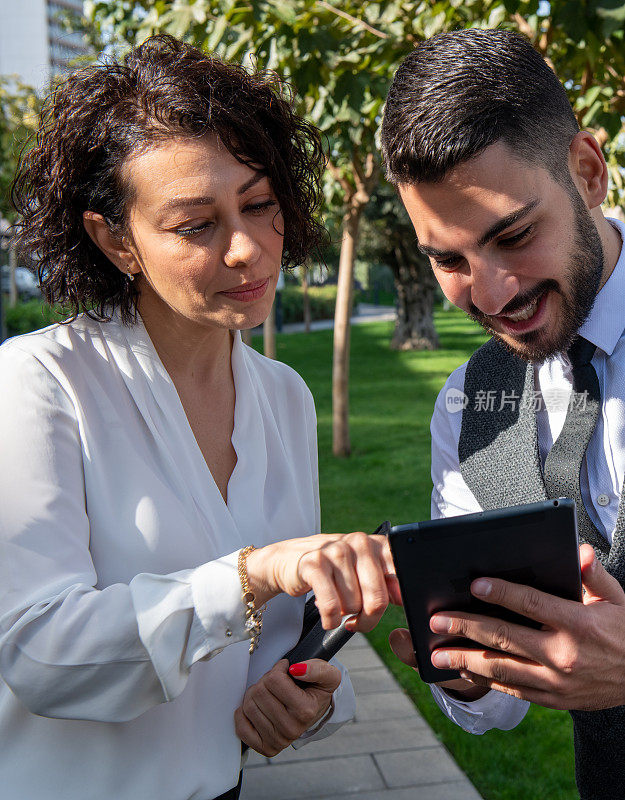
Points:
[(145, 448)]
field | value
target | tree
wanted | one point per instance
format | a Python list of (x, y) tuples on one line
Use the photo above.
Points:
[(340, 57), (584, 42), (388, 237)]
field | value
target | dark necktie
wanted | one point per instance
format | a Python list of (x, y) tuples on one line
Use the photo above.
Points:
[(564, 461)]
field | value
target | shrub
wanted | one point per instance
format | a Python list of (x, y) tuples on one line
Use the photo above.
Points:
[(322, 302), (29, 316), (34, 314)]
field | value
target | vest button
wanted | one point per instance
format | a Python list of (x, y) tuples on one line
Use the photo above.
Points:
[(603, 500)]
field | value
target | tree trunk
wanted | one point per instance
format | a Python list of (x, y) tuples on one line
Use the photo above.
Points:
[(269, 333), (416, 285), (344, 298), (306, 299), (365, 175)]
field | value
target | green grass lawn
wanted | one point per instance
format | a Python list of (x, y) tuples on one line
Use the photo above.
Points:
[(388, 477)]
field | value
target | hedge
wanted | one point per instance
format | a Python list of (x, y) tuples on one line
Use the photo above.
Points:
[(28, 316), (322, 301), (34, 314)]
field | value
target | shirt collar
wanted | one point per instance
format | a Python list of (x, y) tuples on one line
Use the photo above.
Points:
[(606, 321)]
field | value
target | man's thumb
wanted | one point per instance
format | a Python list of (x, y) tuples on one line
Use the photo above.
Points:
[(598, 583)]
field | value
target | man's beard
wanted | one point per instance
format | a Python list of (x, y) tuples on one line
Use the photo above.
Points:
[(584, 277)]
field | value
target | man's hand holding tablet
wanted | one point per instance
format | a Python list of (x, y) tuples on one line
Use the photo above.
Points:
[(531, 636)]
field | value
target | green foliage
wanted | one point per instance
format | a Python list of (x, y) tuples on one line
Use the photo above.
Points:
[(322, 300), (19, 106), (340, 56), (30, 316), (34, 314), (584, 42)]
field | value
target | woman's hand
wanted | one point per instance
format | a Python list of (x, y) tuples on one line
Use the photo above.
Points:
[(350, 574), (275, 711)]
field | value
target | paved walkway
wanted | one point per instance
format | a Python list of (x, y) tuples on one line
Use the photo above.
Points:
[(387, 753)]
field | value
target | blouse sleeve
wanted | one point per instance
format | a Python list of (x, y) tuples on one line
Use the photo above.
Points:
[(67, 648)]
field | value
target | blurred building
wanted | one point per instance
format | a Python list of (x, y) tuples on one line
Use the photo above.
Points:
[(34, 44)]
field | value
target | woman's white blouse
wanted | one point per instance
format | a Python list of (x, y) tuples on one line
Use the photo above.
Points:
[(118, 582)]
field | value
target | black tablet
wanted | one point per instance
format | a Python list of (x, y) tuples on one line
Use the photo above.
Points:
[(436, 561)]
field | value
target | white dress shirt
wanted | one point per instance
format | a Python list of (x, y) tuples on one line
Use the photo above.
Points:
[(123, 650), (603, 468)]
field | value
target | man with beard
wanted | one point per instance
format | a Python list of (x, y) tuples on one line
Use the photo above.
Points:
[(504, 193)]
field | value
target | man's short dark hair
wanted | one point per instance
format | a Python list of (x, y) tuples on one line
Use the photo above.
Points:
[(458, 93)]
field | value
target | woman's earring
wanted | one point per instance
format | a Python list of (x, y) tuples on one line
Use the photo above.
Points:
[(130, 276)]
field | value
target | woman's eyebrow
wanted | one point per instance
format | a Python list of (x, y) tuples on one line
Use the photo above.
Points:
[(185, 202), (205, 200), (258, 176)]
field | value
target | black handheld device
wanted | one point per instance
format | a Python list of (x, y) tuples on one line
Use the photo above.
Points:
[(436, 561), (318, 643)]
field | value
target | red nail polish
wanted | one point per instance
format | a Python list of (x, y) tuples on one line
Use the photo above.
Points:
[(298, 669)]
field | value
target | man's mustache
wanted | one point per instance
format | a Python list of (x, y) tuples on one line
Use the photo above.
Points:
[(520, 301)]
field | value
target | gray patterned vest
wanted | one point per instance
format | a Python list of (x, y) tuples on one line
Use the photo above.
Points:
[(500, 463)]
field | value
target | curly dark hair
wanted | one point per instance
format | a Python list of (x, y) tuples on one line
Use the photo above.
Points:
[(103, 114)]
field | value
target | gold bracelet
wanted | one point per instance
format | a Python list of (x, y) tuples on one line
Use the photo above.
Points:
[(253, 615)]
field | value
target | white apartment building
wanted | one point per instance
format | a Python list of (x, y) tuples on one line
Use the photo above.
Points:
[(33, 43)]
